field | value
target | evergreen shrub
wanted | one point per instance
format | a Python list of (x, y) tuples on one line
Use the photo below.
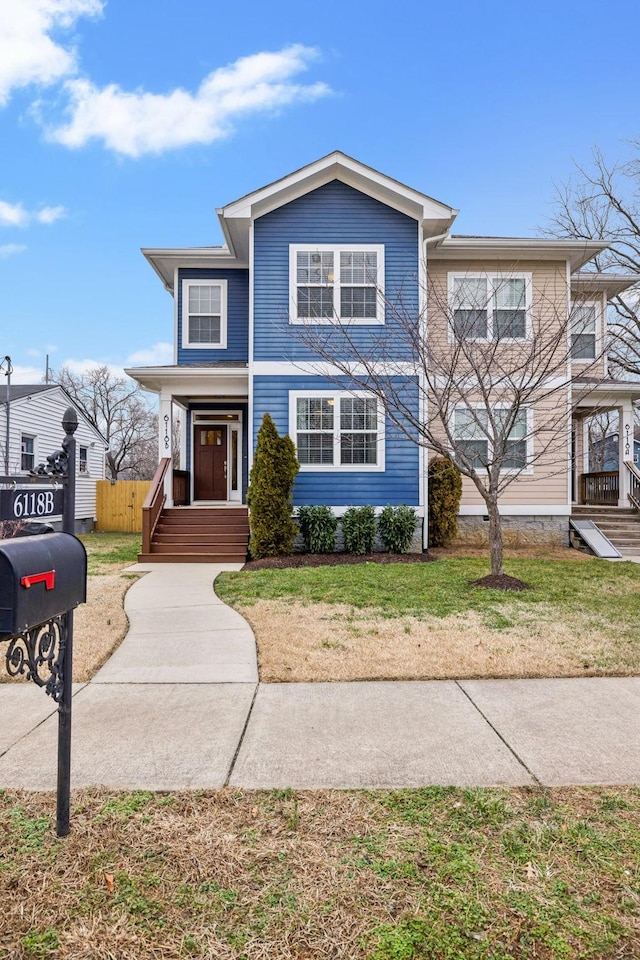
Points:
[(359, 530), (272, 530), (318, 527), (445, 491), (396, 526)]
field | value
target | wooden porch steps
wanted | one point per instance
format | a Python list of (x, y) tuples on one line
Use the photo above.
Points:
[(621, 525), (199, 535)]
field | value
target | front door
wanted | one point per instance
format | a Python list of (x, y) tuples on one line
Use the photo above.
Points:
[(210, 463)]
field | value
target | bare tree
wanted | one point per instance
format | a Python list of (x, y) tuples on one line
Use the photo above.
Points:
[(602, 202), (116, 406), (485, 384)]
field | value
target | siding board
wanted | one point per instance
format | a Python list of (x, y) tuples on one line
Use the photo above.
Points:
[(334, 213), (398, 483)]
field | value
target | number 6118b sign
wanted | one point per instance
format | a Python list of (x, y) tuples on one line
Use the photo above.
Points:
[(30, 504)]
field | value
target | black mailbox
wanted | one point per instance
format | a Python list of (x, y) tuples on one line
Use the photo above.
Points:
[(40, 577)]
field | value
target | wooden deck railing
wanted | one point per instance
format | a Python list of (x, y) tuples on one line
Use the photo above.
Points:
[(634, 483), (153, 504), (600, 488), (180, 488)]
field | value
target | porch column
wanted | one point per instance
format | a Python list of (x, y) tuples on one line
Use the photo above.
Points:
[(577, 465), (625, 450), (165, 442)]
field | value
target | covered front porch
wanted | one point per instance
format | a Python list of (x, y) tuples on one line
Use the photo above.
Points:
[(203, 430), (613, 403)]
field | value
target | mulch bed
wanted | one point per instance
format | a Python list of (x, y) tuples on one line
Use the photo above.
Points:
[(333, 560), (500, 582)]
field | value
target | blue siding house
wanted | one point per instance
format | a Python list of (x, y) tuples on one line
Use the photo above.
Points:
[(337, 253)]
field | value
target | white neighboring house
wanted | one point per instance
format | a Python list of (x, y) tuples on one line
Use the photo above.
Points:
[(35, 431)]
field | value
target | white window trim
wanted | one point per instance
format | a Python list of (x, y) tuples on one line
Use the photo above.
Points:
[(336, 249), (186, 343), (29, 436), (85, 472), (597, 305), (528, 470), (336, 466), (491, 278)]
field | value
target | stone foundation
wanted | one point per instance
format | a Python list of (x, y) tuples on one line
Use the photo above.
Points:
[(516, 531)]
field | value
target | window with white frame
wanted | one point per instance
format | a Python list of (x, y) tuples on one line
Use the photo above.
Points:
[(337, 431), (83, 460), (27, 452), (490, 307), (204, 313), (584, 319), (474, 437), (330, 283)]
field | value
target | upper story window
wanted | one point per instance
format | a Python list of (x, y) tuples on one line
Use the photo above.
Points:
[(336, 283), (204, 314), (27, 452), (473, 435), (490, 306), (337, 430), (83, 460), (584, 330)]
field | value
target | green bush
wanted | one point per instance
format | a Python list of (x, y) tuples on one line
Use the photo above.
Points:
[(269, 496), (396, 526), (445, 491), (359, 530), (318, 527)]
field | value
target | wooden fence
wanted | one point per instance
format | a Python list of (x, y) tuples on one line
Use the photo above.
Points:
[(119, 505)]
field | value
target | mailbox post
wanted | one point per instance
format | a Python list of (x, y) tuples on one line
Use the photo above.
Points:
[(42, 579)]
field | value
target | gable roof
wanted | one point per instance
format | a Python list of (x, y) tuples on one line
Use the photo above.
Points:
[(17, 391), (434, 216), (20, 392)]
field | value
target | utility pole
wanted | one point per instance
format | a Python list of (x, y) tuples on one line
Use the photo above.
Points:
[(6, 365)]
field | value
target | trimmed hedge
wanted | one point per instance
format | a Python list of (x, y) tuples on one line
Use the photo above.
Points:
[(359, 530), (445, 491), (318, 527), (396, 526)]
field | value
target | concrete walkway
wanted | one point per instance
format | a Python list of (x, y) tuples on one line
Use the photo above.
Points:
[(179, 706)]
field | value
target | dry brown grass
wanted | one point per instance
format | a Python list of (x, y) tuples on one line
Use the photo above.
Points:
[(433, 873), (100, 625), (314, 642)]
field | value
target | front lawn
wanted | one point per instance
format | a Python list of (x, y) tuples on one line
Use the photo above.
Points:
[(439, 873), (420, 621)]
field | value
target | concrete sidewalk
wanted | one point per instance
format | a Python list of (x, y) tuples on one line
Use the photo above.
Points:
[(178, 706)]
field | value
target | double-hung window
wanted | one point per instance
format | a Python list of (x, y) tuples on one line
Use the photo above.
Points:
[(83, 460), (475, 438), (584, 331), (204, 314), (337, 430), (27, 452), (490, 307), (336, 283)]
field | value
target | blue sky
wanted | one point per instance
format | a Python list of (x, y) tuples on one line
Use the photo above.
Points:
[(125, 124)]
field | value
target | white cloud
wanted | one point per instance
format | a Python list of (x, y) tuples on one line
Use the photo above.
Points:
[(28, 54), (50, 214), (13, 215), (24, 374), (157, 355), (9, 249), (137, 123)]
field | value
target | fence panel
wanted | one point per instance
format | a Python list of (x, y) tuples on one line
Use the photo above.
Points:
[(119, 505)]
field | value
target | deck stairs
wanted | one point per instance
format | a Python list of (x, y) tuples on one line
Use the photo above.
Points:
[(199, 535), (620, 525)]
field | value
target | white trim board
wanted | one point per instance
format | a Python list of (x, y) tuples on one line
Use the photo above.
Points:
[(517, 510)]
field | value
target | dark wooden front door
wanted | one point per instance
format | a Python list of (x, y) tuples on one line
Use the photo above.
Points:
[(210, 463)]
